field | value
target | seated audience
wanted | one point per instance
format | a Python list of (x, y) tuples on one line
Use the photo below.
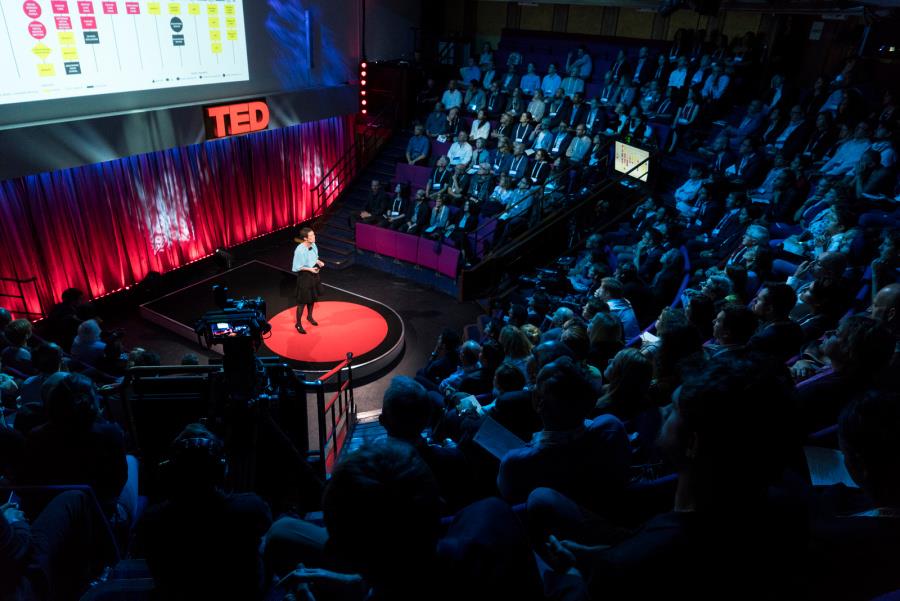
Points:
[(583, 459), (712, 440), (200, 540)]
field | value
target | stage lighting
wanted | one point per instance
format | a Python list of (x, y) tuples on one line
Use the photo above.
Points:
[(223, 259), (362, 88)]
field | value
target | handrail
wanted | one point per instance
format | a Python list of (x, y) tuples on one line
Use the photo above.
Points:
[(21, 296), (340, 408), (565, 212), (540, 189), (326, 376), (351, 162), (603, 187)]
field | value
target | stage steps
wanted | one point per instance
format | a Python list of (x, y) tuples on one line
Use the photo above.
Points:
[(367, 429), (334, 236)]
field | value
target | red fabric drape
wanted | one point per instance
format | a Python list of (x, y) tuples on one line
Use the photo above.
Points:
[(106, 226)]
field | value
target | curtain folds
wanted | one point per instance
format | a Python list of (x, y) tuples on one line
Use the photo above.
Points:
[(105, 226)]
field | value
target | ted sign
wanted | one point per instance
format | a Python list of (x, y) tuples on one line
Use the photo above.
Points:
[(233, 119)]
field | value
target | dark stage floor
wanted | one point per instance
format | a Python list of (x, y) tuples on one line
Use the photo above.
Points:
[(424, 312)]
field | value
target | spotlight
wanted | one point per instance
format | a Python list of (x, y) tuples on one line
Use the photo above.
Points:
[(223, 259)]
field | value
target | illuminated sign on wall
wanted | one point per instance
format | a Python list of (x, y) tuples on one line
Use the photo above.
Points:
[(234, 119)]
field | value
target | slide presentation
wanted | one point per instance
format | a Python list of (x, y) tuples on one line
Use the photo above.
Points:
[(627, 158), (57, 49)]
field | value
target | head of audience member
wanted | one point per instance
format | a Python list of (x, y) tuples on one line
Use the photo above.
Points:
[(561, 316), (47, 358), (197, 467), (700, 311), (462, 137), (886, 308), (626, 272), (544, 353), (861, 348), (714, 442), (406, 409), (375, 186), (451, 85), (530, 68), (734, 325), (71, 401), (755, 235), (628, 376), (716, 286), (491, 355), (508, 378), (514, 342), (73, 297), (448, 342), (774, 302), (396, 550), (829, 265), (748, 146), (575, 337), (593, 306), (532, 332), (869, 161), (610, 289), (869, 437), (605, 328), (823, 297), (18, 331), (551, 68), (518, 315), (883, 132), (469, 353), (190, 359), (680, 347), (563, 396), (861, 131), (539, 303), (140, 357), (670, 318)]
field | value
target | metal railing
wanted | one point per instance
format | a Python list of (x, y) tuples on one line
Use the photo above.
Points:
[(336, 416), (365, 146), (536, 195), (21, 297), (485, 275)]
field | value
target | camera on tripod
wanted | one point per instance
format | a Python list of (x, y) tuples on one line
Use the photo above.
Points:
[(235, 319)]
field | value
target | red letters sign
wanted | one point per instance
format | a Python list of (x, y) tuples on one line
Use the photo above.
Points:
[(234, 119)]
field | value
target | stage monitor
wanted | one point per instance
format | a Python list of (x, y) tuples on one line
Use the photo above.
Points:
[(63, 49), (627, 157)]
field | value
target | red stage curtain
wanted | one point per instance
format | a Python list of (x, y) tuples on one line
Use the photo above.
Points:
[(106, 226)]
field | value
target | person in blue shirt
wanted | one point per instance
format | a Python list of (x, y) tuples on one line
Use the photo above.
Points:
[(440, 216), (436, 122), (418, 147), (306, 265), (470, 72)]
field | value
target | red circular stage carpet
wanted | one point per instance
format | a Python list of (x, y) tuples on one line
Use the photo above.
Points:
[(343, 327)]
